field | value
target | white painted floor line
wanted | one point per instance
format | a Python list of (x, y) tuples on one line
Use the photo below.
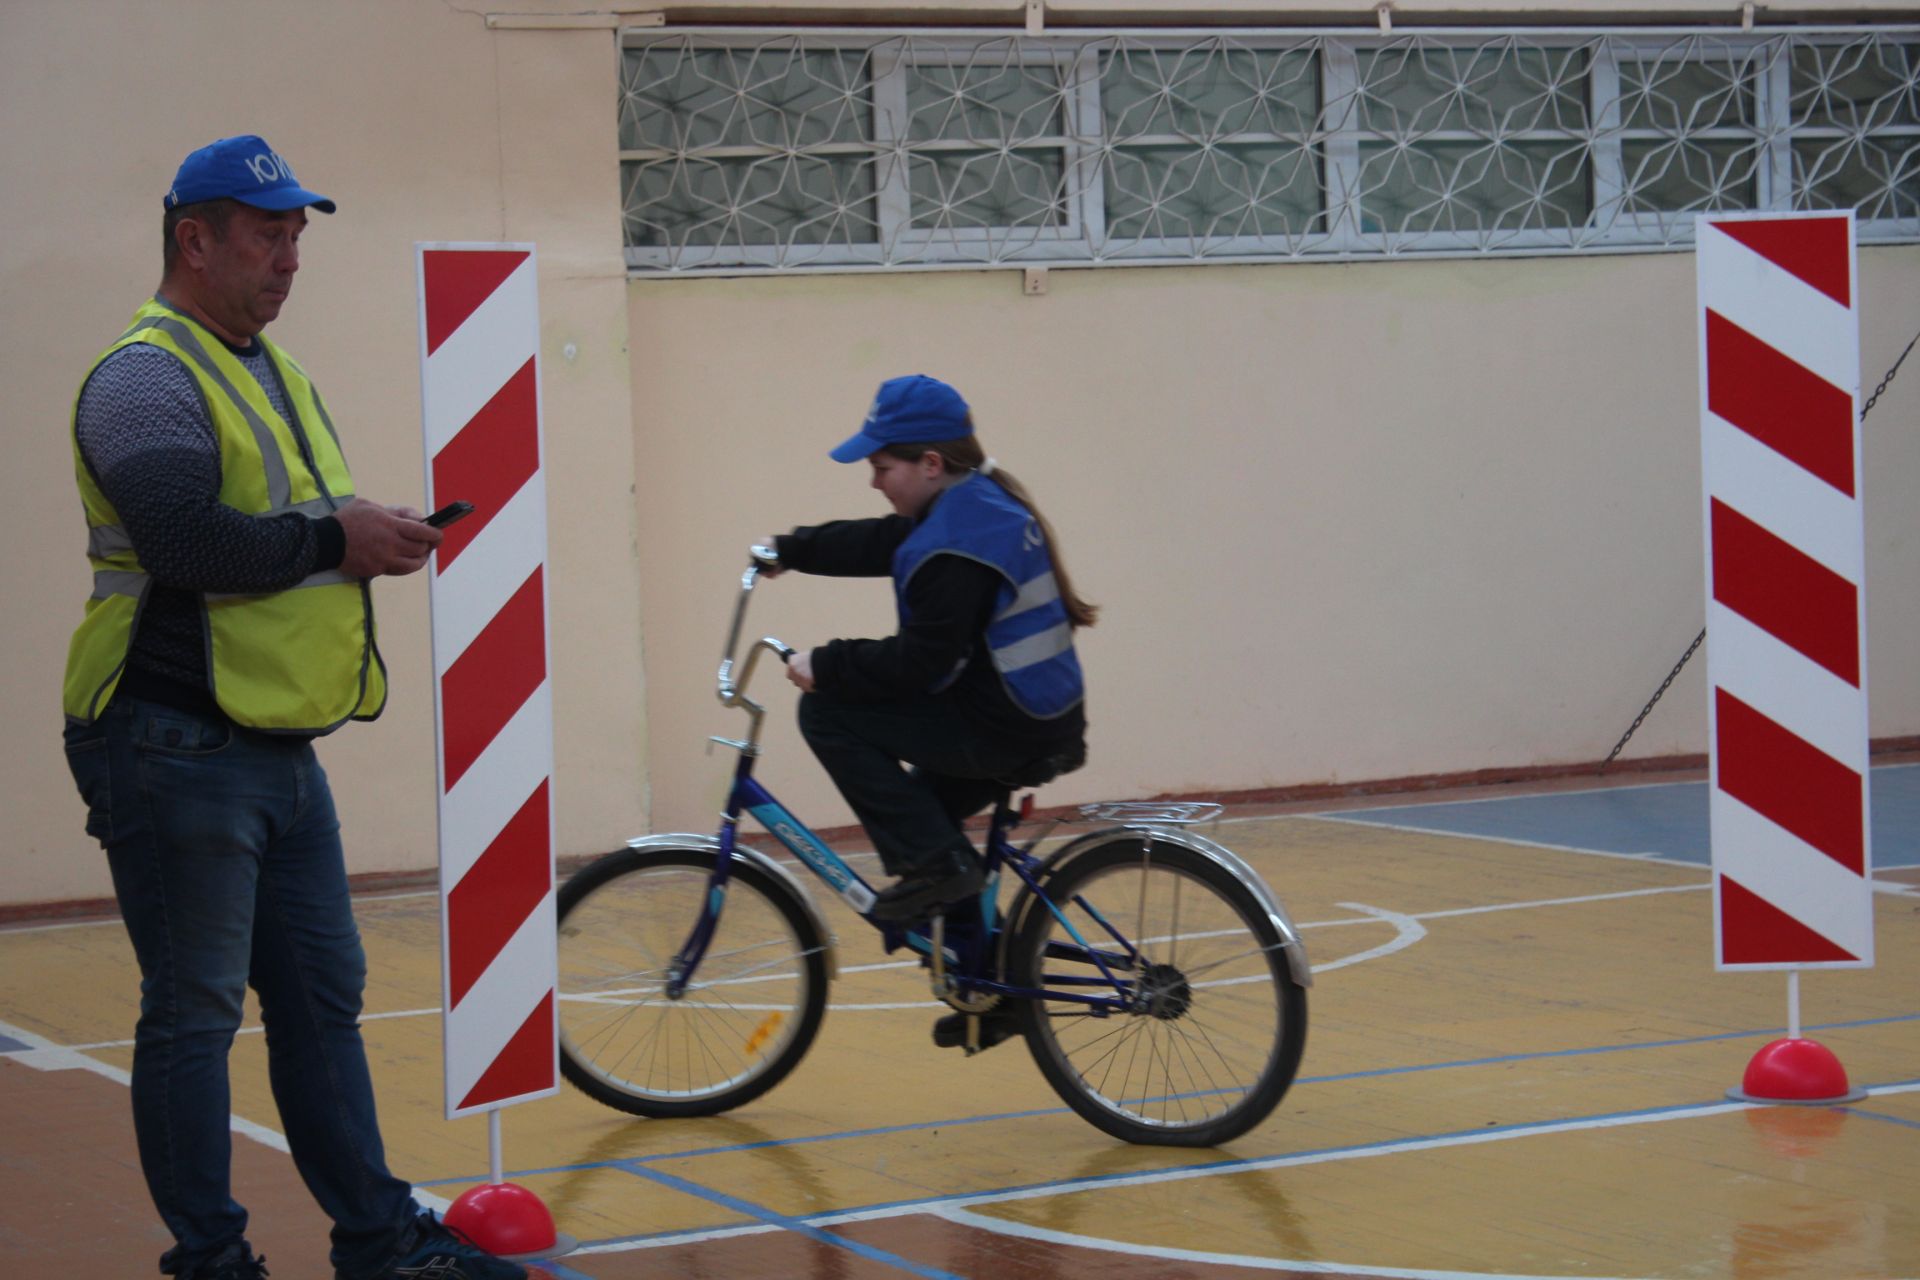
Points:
[(1559, 902), (1531, 795), (1405, 924), (43, 1055), (10, 930), (1404, 1147), (1406, 931), (679, 1238), (1005, 1227), (1355, 820), (256, 1028), (946, 1206)]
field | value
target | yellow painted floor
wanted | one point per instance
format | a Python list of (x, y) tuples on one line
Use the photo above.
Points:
[(1517, 1067)]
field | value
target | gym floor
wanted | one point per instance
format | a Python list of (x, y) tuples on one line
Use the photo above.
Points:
[(1518, 1066)]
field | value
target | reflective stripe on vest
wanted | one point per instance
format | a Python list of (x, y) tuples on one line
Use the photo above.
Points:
[(279, 486), (1030, 637), (1036, 593), (118, 582), (301, 659)]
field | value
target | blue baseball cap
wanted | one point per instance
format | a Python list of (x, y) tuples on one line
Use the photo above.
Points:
[(244, 169), (915, 409)]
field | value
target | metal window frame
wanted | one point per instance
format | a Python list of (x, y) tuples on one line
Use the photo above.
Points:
[(940, 244), (1809, 133), (1335, 141)]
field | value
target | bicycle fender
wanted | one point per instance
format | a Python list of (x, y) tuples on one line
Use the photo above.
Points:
[(1230, 862), (764, 862)]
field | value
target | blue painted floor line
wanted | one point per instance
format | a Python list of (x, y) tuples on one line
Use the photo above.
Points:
[(799, 1226), (1373, 1073), (1665, 819), (1881, 1116), (1249, 1164), (1500, 1059)]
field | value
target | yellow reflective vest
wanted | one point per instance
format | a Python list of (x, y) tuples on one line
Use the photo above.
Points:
[(303, 660)]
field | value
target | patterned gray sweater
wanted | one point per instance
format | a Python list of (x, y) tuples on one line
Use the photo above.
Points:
[(146, 436)]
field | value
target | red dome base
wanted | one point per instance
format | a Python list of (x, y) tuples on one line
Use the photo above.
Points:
[(1795, 1071), (506, 1219)]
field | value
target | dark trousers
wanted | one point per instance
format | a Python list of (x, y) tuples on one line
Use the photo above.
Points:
[(227, 863), (912, 771)]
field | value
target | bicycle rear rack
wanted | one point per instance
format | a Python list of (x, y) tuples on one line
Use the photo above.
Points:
[(1171, 813)]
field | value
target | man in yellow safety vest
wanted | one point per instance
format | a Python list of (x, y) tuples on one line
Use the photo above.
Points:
[(230, 624)]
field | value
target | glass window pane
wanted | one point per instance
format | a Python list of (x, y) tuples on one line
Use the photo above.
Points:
[(676, 98), (1208, 91), (987, 102), (975, 189), (1869, 85), (1685, 95), (1241, 189), (1670, 176), (808, 200), (1469, 186), (1495, 88), (1879, 179)]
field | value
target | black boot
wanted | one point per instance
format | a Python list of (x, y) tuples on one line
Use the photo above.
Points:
[(948, 876)]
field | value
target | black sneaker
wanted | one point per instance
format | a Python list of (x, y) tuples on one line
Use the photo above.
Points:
[(949, 877), (430, 1250), (950, 1030), (235, 1262)]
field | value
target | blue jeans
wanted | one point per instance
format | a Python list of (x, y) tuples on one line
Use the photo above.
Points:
[(227, 863)]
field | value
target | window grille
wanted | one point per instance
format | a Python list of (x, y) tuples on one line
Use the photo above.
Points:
[(748, 151)]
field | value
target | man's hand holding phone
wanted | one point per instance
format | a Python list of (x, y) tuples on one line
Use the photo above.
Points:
[(380, 540)]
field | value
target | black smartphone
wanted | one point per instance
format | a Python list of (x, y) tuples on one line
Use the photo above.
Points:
[(448, 514)]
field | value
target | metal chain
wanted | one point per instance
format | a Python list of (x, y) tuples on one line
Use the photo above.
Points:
[(1867, 408), (1657, 695), (1619, 746)]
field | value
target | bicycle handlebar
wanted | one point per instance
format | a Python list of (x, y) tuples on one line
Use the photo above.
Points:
[(731, 692)]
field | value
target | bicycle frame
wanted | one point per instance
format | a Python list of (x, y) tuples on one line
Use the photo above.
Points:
[(964, 949)]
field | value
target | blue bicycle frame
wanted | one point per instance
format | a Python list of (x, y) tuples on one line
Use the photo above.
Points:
[(962, 945), (968, 938)]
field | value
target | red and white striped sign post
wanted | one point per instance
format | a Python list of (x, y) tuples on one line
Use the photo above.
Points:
[(1786, 614), (480, 402)]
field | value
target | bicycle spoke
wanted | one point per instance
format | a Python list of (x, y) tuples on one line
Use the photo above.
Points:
[(753, 1002), (1191, 1059)]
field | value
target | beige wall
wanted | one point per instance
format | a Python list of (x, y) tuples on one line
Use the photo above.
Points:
[(423, 125), (1347, 522)]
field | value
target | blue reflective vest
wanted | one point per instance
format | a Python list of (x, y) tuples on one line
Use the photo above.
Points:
[(1030, 637)]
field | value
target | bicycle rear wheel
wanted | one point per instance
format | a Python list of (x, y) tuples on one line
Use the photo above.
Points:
[(744, 1022), (1217, 1028)]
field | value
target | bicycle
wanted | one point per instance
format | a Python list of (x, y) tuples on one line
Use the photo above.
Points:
[(1158, 982)]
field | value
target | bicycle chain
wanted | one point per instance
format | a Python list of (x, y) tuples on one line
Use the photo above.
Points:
[(1659, 693)]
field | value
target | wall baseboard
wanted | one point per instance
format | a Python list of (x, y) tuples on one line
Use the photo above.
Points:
[(1896, 750)]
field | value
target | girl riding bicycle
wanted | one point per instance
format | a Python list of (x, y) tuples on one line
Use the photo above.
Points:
[(980, 683)]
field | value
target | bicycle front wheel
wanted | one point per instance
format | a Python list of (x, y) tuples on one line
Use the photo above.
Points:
[(1217, 1024), (745, 1020)]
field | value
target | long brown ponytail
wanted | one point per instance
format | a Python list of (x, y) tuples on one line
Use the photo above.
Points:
[(965, 454)]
